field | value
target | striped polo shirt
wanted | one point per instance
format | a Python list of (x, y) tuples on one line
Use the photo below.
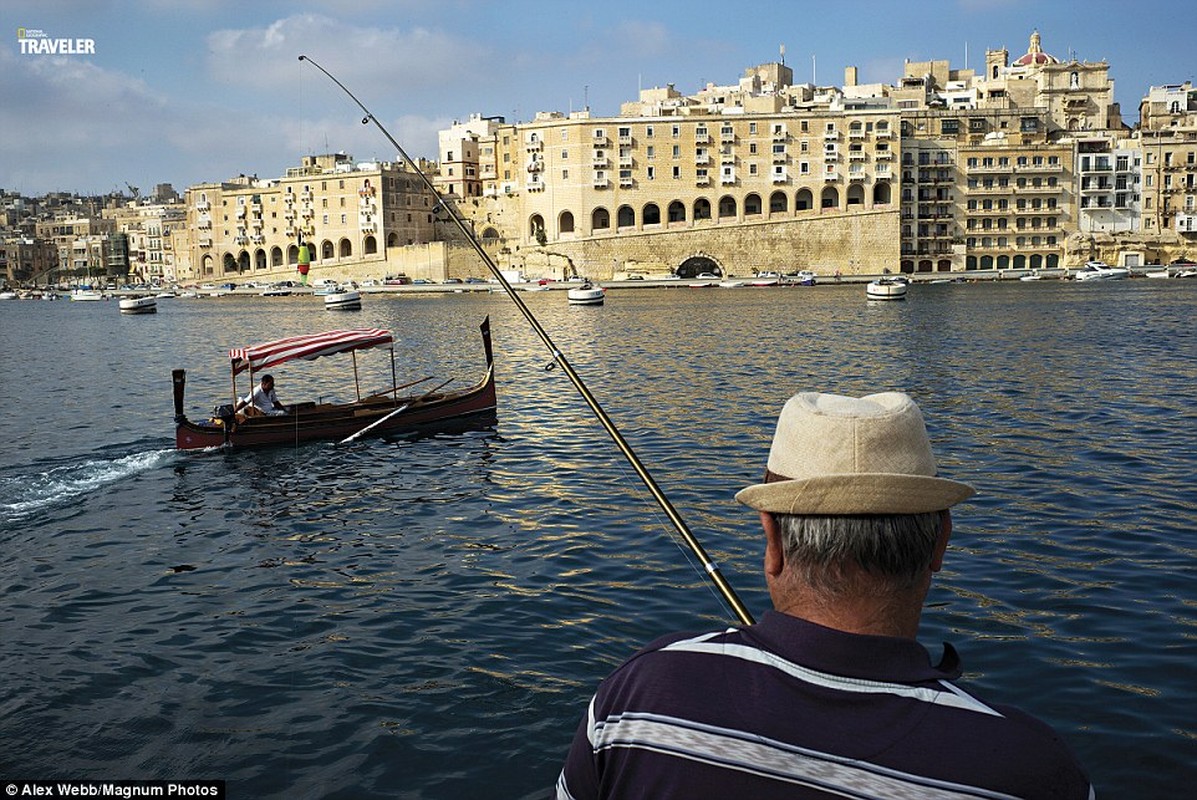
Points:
[(790, 709)]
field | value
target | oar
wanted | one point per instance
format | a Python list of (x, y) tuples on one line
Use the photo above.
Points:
[(409, 384), (401, 408), (467, 232)]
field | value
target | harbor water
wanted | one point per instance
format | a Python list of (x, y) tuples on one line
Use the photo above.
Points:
[(427, 616)]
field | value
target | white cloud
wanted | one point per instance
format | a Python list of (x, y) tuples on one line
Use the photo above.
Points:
[(416, 61)]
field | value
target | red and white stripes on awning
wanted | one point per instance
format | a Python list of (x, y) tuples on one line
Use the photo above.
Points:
[(269, 354)]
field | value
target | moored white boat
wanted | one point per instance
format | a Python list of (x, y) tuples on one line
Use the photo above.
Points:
[(1033, 275), (765, 279), (87, 294), (343, 300), (139, 305), (1099, 271), (8, 295), (731, 283), (886, 289), (588, 294)]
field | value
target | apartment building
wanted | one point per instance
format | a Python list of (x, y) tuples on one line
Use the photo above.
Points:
[(1168, 141), (346, 212), (988, 170)]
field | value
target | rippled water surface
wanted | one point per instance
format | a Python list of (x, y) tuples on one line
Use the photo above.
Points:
[(426, 617)]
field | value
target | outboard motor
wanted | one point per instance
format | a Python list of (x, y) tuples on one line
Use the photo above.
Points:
[(225, 414)]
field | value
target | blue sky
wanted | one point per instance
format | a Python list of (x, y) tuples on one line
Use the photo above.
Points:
[(186, 91)]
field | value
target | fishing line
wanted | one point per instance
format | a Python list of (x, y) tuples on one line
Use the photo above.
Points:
[(708, 566)]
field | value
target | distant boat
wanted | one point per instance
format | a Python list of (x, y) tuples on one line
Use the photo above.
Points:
[(586, 295), (731, 284), (1099, 271), (343, 300), (87, 294), (8, 295), (1033, 275), (139, 305), (886, 289), (765, 279)]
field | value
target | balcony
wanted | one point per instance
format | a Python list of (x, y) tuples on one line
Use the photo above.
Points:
[(625, 139), (883, 155), (369, 227), (600, 139), (780, 134), (702, 159), (599, 162), (702, 137), (780, 158), (205, 241), (702, 180), (534, 145), (626, 182), (727, 135), (856, 133), (203, 205), (727, 178), (600, 183), (831, 136), (857, 177), (858, 155), (780, 177), (883, 134), (830, 177)]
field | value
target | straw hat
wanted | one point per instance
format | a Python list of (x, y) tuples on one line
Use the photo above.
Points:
[(846, 455)]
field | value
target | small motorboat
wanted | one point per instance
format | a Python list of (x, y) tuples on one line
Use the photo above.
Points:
[(1033, 275), (1100, 271), (765, 279), (887, 288), (588, 294), (145, 304), (731, 283), (82, 294), (343, 300)]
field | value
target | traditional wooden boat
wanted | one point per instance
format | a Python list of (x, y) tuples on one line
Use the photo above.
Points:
[(376, 414)]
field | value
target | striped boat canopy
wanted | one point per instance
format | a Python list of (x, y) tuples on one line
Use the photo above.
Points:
[(269, 354)]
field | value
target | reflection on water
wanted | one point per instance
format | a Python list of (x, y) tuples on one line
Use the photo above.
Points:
[(339, 621)]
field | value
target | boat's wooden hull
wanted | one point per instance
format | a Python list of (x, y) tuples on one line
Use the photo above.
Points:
[(313, 422)]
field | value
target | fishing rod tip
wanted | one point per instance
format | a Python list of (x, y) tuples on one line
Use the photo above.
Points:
[(303, 58)]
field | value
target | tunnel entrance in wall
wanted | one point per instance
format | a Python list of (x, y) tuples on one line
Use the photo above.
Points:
[(696, 265)]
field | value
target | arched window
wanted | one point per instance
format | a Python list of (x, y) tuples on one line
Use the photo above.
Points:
[(677, 211), (326, 250), (535, 225), (370, 246), (259, 259), (830, 197), (345, 248), (293, 254), (600, 219), (727, 206), (276, 256), (651, 214), (778, 203), (881, 193), (752, 205), (702, 208), (566, 223), (625, 217), (804, 200), (392, 239), (856, 194), (986, 262)]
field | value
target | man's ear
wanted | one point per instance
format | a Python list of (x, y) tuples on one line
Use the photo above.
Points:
[(941, 543), (775, 558)]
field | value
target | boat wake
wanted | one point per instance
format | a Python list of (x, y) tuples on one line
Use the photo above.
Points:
[(22, 495)]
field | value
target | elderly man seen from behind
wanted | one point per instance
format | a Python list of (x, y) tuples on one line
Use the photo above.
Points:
[(829, 695)]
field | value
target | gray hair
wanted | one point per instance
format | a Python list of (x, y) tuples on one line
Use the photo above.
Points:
[(892, 548)]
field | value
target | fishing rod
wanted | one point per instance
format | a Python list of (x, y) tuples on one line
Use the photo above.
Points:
[(692, 542)]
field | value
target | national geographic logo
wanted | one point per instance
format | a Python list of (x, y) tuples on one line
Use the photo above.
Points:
[(35, 42)]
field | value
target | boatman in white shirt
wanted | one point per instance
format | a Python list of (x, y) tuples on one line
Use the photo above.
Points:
[(262, 400)]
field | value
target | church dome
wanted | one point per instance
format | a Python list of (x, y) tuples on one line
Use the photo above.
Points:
[(1035, 55)]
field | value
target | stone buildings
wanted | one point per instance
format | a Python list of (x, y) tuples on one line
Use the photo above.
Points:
[(1026, 164)]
